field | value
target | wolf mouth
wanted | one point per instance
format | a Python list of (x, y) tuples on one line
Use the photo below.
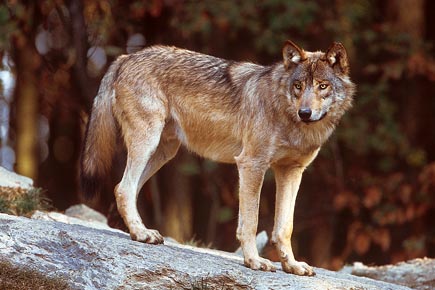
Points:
[(313, 121)]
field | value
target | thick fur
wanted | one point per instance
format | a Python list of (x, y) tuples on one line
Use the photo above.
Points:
[(97, 154), (256, 116)]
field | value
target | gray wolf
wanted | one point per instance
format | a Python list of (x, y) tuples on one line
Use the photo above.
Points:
[(257, 117)]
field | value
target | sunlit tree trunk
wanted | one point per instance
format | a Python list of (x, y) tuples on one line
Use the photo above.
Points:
[(26, 102)]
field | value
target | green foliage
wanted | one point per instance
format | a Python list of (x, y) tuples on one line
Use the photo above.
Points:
[(5, 205), (31, 201), (7, 26), (375, 132), (266, 22), (189, 168), (225, 214), (22, 202), (281, 16)]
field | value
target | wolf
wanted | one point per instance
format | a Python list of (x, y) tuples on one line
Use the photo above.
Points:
[(255, 116)]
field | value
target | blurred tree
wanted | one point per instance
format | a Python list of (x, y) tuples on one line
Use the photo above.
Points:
[(176, 194), (407, 19), (79, 44), (26, 105), (26, 97)]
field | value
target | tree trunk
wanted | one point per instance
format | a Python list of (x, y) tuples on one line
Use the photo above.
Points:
[(407, 18), (26, 101)]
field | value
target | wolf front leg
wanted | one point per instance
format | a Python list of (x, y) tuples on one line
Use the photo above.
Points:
[(251, 174), (288, 179)]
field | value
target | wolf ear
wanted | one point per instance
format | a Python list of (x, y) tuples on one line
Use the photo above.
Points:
[(336, 56), (292, 54)]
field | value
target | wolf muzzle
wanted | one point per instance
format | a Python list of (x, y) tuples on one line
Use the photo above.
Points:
[(306, 113)]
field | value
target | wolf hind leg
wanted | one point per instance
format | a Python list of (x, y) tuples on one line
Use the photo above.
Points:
[(166, 150), (142, 137)]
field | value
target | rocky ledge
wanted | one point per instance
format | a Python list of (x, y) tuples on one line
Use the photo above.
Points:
[(80, 257)]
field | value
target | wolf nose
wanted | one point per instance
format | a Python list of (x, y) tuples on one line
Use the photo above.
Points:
[(304, 114)]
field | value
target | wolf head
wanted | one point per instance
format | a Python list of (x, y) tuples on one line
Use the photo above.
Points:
[(319, 86)]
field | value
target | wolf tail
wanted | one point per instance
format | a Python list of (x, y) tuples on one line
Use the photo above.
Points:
[(100, 139)]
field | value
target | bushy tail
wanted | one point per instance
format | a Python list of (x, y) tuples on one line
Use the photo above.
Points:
[(100, 138)]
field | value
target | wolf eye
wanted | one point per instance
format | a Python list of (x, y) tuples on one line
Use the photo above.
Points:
[(323, 86), (298, 86)]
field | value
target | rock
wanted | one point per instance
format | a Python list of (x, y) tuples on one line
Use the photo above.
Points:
[(85, 213), (89, 258), (261, 242), (59, 217), (417, 273), (11, 179)]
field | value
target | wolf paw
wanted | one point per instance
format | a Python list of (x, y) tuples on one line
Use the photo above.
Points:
[(147, 236), (298, 268), (260, 264)]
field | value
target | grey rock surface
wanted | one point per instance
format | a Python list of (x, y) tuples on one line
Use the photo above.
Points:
[(261, 241), (91, 258), (83, 212), (11, 179), (63, 218), (417, 274)]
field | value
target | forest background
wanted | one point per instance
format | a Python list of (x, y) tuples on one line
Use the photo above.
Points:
[(369, 196)]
